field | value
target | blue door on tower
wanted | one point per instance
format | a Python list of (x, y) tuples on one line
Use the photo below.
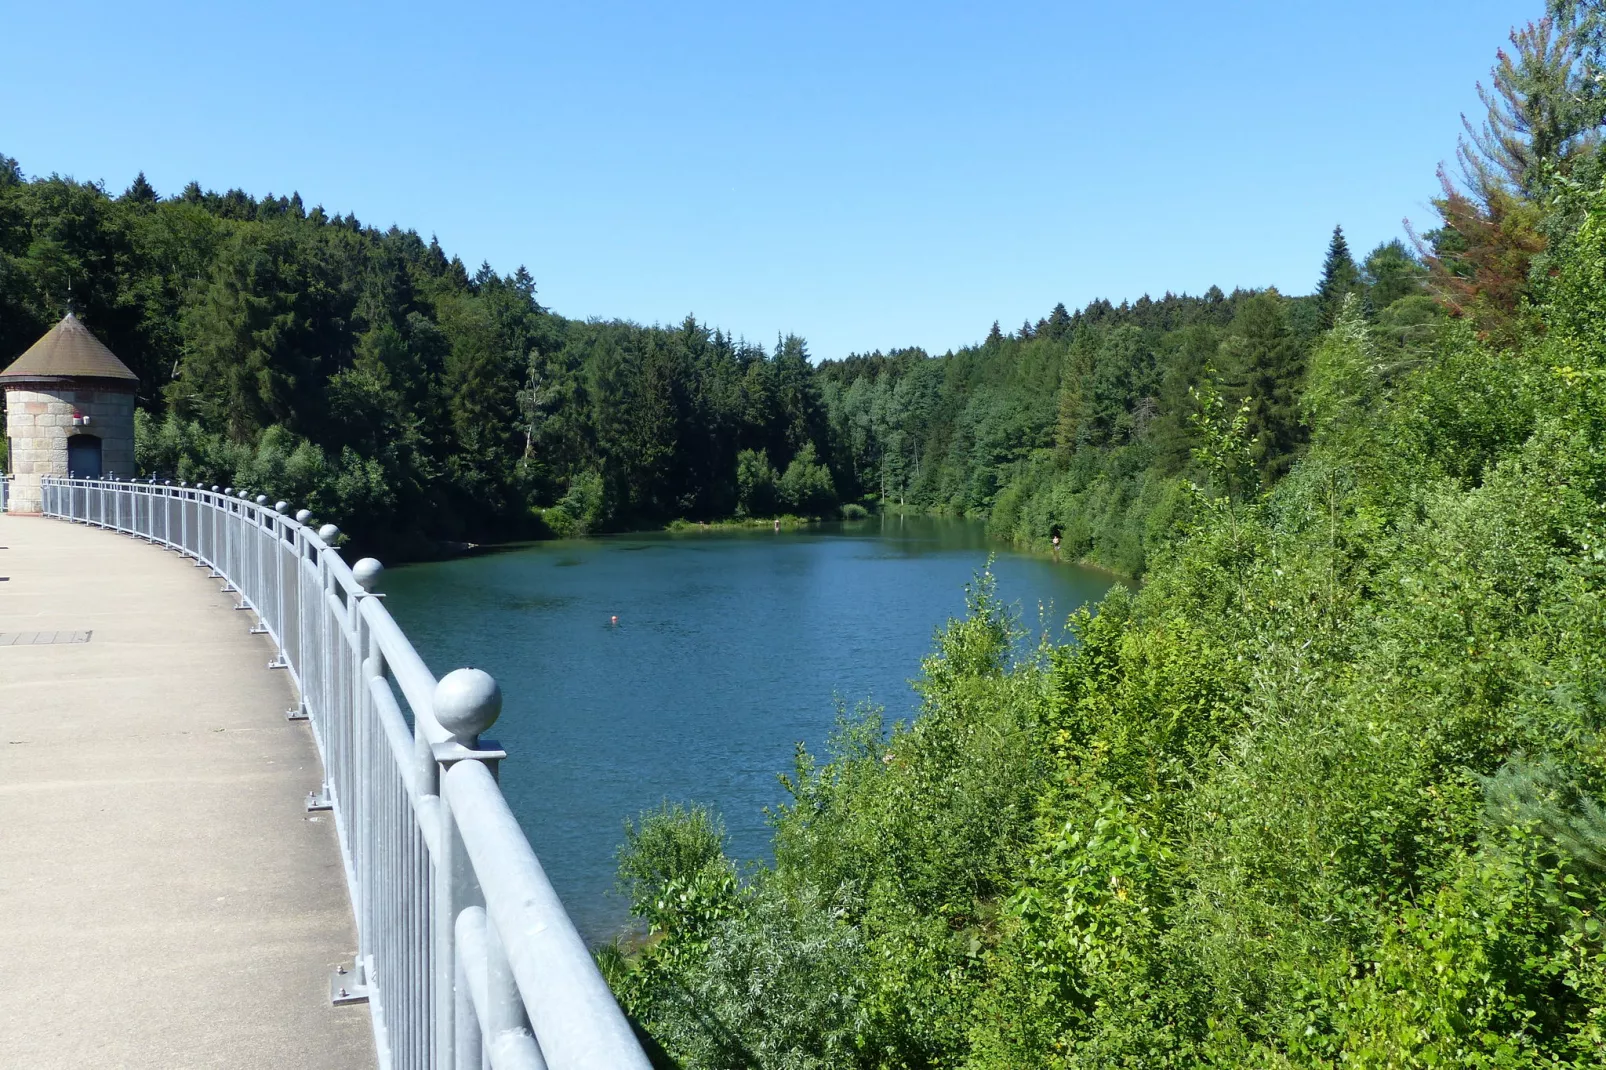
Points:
[(83, 457)]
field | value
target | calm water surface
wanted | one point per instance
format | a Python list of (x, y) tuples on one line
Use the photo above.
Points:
[(730, 648)]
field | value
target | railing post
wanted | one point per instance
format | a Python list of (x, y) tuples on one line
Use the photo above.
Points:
[(466, 703)]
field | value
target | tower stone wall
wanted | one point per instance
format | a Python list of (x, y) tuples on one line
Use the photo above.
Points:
[(41, 417)]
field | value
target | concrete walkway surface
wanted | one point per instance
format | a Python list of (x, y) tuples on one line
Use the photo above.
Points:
[(165, 899)]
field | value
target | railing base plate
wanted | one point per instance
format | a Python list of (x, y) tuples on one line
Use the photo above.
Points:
[(319, 800), (297, 714), (348, 986)]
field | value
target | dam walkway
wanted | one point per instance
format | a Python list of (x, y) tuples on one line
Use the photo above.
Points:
[(243, 825), (166, 899)]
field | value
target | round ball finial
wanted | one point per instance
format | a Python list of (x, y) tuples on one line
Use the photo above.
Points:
[(214, 488), (366, 573), (303, 516), (281, 507), (229, 491), (262, 499), (329, 533), (467, 702)]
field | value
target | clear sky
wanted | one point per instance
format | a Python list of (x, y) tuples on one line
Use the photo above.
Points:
[(867, 175)]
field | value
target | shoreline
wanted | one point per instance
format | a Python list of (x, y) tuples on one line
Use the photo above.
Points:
[(451, 551)]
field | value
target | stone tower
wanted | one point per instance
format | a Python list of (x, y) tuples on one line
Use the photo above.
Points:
[(69, 411)]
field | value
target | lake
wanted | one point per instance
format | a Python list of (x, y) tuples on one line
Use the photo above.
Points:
[(730, 647)]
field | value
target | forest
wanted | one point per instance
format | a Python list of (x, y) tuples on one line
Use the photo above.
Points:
[(369, 376), (1326, 790)]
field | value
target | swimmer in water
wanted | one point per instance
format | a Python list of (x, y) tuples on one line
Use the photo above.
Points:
[(613, 622)]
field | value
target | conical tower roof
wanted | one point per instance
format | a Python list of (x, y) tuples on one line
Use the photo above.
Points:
[(68, 351)]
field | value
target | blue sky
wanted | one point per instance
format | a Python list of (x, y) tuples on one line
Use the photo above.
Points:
[(865, 175)]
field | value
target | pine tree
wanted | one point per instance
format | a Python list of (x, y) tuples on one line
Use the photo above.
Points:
[(1173, 432), (140, 191), (1262, 365), (1542, 109), (1058, 324), (1340, 277), (994, 336)]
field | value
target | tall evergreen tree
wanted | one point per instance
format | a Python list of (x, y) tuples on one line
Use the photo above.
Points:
[(1540, 109), (140, 191), (1173, 432), (1262, 366), (1058, 324), (1340, 277)]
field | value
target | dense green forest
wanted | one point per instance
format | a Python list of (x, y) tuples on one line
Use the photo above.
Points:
[(1085, 424), (1325, 791), (366, 374)]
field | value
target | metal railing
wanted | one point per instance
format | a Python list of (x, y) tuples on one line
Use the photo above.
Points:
[(464, 953)]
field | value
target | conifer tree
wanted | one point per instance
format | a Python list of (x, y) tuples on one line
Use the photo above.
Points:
[(140, 191), (1542, 108), (1262, 365), (1058, 324), (1340, 277), (995, 336)]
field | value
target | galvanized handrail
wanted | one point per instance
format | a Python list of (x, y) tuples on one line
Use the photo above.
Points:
[(464, 952)]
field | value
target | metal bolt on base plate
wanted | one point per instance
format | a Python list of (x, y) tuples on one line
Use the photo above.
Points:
[(279, 663), (319, 800), (348, 986), (299, 713), (259, 629)]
